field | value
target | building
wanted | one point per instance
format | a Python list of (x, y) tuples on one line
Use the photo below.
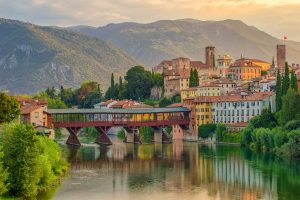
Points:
[(281, 57), (106, 104), (209, 89), (223, 64), (176, 72), (241, 108), (232, 109), (244, 69), (188, 93), (226, 85)]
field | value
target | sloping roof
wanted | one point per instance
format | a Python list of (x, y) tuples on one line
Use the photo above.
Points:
[(224, 81), (118, 111), (28, 109), (234, 98), (239, 124), (198, 64)]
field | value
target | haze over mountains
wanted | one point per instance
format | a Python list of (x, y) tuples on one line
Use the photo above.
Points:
[(166, 39), (35, 57)]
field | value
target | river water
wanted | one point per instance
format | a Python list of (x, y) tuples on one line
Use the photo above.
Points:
[(182, 170)]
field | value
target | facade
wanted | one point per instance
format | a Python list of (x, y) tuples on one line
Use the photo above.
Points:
[(226, 85), (241, 108), (188, 93), (281, 57), (173, 86), (223, 64), (208, 90), (244, 69)]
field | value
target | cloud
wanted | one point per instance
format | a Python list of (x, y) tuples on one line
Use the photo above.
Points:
[(277, 17)]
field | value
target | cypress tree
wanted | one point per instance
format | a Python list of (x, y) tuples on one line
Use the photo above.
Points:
[(286, 80), (112, 81), (278, 92), (191, 78), (294, 82), (196, 77)]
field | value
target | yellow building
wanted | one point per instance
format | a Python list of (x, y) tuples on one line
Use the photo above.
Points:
[(203, 109), (264, 65), (188, 93)]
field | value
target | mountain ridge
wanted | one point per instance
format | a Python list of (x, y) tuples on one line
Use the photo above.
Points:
[(35, 57), (166, 39)]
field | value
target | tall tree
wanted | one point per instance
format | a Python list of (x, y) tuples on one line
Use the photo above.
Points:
[(278, 91), (286, 79), (196, 77), (3, 175), (139, 83), (9, 108), (294, 82), (290, 107)]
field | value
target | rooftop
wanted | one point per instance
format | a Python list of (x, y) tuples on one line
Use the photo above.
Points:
[(118, 111)]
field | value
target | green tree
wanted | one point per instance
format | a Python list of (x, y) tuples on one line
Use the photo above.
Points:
[(91, 99), (9, 108), (3, 175), (206, 130), (139, 83), (158, 80), (33, 164), (53, 103), (290, 107), (294, 81), (21, 160), (220, 132), (265, 120), (278, 91), (164, 102), (194, 79), (67, 96), (51, 92), (286, 80), (246, 135)]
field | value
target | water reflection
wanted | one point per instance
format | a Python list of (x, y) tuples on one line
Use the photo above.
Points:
[(178, 170)]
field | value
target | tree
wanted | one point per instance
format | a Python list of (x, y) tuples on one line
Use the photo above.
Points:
[(246, 135), (194, 79), (206, 130), (33, 162), (220, 132), (139, 83), (3, 175), (286, 80), (165, 102), (91, 99), (294, 81), (51, 92), (158, 80), (21, 160), (53, 103), (290, 107), (278, 91), (265, 120), (9, 108)]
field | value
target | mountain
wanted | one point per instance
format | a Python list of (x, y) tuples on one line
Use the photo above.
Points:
[(153, 42), (35, 57)]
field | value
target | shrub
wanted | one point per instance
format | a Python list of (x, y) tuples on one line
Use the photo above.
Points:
[(3, 175), (121, 134), (292, 125), (206, 130), (220, 132), (246, 135), (146, 134)]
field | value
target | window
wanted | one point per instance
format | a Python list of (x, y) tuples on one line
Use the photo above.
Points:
[(36, 115)]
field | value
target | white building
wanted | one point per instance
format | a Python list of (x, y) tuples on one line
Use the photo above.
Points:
[(241, 108)]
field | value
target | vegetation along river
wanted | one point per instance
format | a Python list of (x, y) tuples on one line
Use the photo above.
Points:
[(181, 170)]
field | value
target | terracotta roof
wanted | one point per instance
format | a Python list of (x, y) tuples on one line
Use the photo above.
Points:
[(168, 62), (234, 98), (253, 60), (224, 81), (28, 109), (198, 64), (107, 102), (175, 105), (140, 105), (239, 124), (244, 63)]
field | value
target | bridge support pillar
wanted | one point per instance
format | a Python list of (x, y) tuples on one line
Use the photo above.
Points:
[(165, 136), (103, 138), (73, 139), (132, 136)]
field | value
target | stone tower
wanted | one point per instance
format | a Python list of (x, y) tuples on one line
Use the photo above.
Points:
[(281, 57), (210, 56)]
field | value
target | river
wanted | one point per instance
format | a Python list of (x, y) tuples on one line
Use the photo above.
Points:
[(182, 170)]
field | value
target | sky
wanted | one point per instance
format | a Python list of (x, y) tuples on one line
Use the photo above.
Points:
[(276, 17)]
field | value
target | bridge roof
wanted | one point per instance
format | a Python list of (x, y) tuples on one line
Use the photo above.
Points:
[(118, 111)]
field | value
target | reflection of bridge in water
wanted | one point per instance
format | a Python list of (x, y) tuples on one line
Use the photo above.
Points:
[(186, 166), (130, 119)]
